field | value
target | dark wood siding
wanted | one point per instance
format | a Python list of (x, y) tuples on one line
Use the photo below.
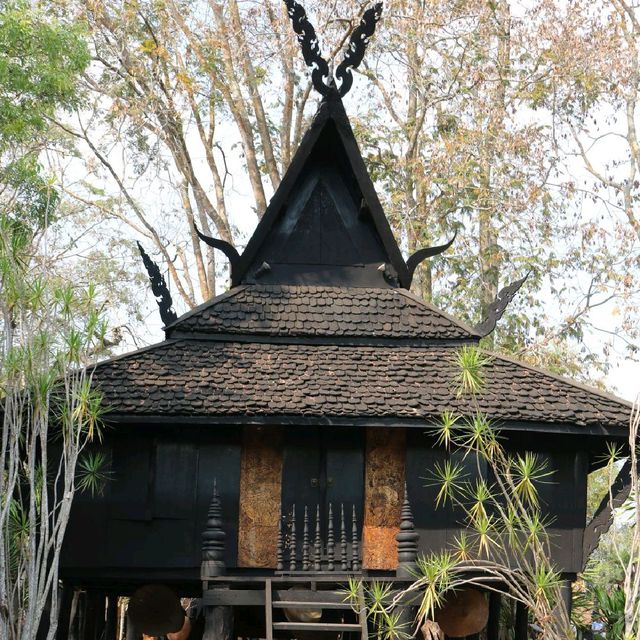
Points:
[(153, 510)]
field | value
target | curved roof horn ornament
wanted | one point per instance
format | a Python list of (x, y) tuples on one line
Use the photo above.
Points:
[(498, 306), (159, 288), (357, 47), (422, 254), (313, 56), (222, 245)]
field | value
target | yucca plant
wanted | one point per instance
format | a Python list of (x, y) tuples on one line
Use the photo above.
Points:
[(503, 542), (470, 363), (93, 472), (51, 413)]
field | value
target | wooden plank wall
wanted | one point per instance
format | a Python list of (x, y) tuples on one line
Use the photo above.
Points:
[(260, 496), (384, 493)]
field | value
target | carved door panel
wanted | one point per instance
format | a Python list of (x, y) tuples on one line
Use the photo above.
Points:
[(323, 466)]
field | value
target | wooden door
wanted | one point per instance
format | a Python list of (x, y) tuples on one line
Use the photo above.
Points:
[(321, 467)]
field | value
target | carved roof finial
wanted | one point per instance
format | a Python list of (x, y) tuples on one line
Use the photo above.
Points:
[(321, 76)]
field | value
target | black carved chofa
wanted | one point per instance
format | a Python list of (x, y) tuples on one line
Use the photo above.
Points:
[(498, 306), (422, 254), (357, 47), (159, 288), (310, 47), (222, 245), (603, 517)]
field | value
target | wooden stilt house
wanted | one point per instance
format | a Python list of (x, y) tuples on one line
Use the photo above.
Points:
[(303, 395)]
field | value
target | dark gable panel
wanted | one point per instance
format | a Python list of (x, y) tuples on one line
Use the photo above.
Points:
[(351, 216)]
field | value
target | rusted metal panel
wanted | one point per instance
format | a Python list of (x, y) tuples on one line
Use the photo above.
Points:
[(384, 490), (260, 496)]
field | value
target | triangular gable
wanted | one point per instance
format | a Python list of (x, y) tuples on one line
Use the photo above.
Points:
[(324, 224)]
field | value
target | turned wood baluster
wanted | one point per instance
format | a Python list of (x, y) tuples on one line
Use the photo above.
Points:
[(292, 541), (305, 541), (407, 539), (343, 541), (213, 540), (355, 553), (317, 545), (330, 541), (280, 549)]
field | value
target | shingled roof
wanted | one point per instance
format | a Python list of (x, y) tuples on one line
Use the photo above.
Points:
[(319, 323), (220, 378), (299, 310)]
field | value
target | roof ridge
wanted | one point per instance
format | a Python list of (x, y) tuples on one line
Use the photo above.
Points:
[(432, 307), (569, 381), (122, 356), (229, 293), (322, 309)]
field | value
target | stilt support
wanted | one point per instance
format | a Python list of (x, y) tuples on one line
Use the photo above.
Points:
[(493, 625), (522, 622), (218, 623)]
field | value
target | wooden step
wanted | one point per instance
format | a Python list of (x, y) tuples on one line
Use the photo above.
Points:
[(295, 604), (316, 626)]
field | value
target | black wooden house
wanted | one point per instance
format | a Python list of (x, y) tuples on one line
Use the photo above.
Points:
[(305, 393)]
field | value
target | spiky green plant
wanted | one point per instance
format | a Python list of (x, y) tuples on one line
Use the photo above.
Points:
[(444, 429), (471, 363), (93, 472), (447, 476)]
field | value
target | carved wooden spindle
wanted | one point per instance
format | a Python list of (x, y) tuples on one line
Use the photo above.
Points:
[(407, 539), (213, 538), (330, 541), (305, 541), (343, 541), (292, 540), (317, 545), (355, 552), (280, 549)]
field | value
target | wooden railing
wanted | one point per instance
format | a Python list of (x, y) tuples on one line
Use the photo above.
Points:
[(301, 546)]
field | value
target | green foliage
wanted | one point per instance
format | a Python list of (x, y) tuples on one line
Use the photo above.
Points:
[(376, 596), (608, 607), (470, 362), (528, 471), (93, 472), (40, 62), (610, 610), (33, 198)]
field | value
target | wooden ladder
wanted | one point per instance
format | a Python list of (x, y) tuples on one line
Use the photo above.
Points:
[(311, 599)]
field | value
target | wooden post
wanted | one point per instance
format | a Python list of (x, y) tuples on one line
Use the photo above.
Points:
[(213, 538), (218, 623), (567, 595), (493, 624), (522, 622), (94, 615), (130, 633), (64, 615), (407, 539), (111, 625)]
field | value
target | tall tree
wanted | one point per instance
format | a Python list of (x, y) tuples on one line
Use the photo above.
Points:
[(459, 110), (47, 327)]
